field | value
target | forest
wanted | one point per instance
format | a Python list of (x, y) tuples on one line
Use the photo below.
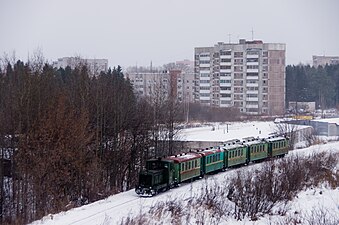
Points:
[(69, 138), (309, 84)]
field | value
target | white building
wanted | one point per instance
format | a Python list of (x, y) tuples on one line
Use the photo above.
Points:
[(249, 75), (323, 60), (176, 82), (95, 66)]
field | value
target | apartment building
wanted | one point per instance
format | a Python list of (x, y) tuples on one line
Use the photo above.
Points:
[(175, 83), (323, 60), (249, 75), (95, 66)]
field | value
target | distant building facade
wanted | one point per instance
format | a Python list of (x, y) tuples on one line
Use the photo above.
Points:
[(177, 83), (323, 60), (249, 75), (95, 66)]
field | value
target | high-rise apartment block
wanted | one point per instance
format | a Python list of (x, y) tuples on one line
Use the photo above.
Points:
[(95, 66), (323, 60), (249, 75)]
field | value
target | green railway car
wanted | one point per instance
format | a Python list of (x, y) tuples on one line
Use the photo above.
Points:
[(162, 174), (235, 153), (277, 146), (212, 160), (186, 166), (257, 149)]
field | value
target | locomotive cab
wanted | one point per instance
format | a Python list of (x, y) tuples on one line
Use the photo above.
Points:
[(155, 178)]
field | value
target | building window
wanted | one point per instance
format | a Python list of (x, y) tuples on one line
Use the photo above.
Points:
[(252, 74), (252, 67), (225, 52), (238, 68), (225, 60), (252, 60), (252, 53), (225, 95), (238, 54), (225, 74), (225, 67)]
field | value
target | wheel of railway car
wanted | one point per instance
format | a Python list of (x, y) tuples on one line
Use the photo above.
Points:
[(154, 193)]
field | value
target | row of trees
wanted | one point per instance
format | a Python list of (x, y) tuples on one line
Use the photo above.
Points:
[(310, 84), (73, 138)]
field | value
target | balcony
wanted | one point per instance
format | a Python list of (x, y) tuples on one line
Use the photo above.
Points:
[(252, 85)]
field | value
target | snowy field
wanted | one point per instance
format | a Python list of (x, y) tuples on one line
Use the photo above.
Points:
[(112, 210), (222, 132), (234, 130)]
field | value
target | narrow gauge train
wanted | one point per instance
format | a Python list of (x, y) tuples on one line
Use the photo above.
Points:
[(165, 173)]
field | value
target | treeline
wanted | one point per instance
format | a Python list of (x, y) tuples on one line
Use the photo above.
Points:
[(309, 84), (72, 138)]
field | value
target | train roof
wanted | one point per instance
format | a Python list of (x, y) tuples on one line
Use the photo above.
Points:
[(209, 151), (252, 141), (184, 157), (232, 145), (275, 138)]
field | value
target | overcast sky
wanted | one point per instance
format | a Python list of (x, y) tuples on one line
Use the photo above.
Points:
[(130, 32)]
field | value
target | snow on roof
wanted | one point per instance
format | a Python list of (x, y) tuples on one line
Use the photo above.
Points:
[(329, 120), (252, 141), (278, 138), (183, 157), (231, 145), (209, 151)]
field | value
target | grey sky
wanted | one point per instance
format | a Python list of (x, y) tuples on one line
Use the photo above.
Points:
[(127, 32)]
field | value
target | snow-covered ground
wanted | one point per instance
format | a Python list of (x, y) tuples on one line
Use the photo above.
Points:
[(223, 132), (112, 210), (234, 130)]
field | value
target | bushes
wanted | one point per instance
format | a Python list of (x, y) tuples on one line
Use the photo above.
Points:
[(252, 192), (255, 193)]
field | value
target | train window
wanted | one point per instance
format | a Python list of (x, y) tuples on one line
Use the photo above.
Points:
[(186, 166)]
